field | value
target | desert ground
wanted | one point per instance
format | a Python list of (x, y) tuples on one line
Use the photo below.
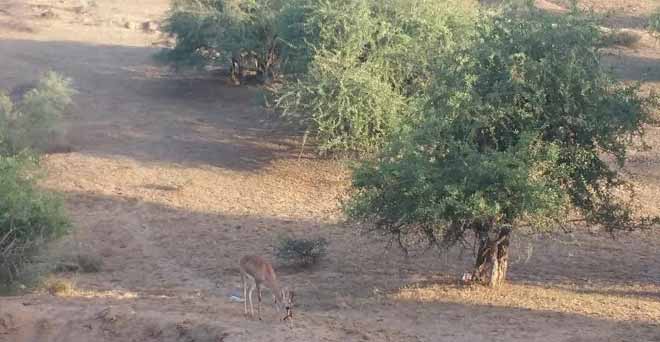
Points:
[(171, 177)]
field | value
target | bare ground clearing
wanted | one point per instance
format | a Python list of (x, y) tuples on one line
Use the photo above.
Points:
[(171, 178)]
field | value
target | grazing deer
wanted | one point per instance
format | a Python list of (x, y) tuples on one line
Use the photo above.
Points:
[(257, 271)]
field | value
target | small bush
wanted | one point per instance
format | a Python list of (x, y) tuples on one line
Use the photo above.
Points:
[(29, 217), (85, 263), (31, 122), (89, 263), (304, 252), (621, 38), (58, 286), (217, 32), (654, 22)]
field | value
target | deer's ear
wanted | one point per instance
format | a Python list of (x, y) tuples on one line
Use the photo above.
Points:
[(291, 294)]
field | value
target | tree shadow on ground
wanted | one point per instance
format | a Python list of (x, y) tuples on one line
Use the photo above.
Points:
[(170, 256), (456, 321), (630, 67), (654, 295), (127, 105), (612, 18), (623, 21), (145, 243)]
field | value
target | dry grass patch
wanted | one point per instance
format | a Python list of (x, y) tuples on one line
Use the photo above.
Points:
[(111, 294), (60, 287), (63, 287), (619, 303)]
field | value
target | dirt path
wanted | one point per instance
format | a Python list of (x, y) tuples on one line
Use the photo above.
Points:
[(171, 178)]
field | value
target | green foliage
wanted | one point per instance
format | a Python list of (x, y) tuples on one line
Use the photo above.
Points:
[(305, 252), (33, 121), (368, 66), (29, 217), (654, 22), (517, 132), (350, 109), (212, 32), (199, 26), (353, 69)]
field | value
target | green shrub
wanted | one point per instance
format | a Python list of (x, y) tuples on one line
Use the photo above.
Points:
[(516, 135), (29, 217), (350, 109), (197, 25), (368, 66), (217, 32), (654, 22), (305, 252), (622, 38), (89, 263), (33, 121)]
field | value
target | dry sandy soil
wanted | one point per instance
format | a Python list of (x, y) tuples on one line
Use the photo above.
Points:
[(170, 178)]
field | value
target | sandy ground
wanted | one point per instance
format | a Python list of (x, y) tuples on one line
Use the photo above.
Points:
[(171, 178)]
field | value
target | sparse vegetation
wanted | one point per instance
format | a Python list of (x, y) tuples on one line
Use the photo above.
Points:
[(239, 33), (654, 22), (84, 263), (624, 38), (303, 252), (89, 263), (29, 217), (34, 119), (58, 286)]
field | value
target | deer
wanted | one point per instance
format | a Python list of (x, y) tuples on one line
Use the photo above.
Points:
[(257, 271)]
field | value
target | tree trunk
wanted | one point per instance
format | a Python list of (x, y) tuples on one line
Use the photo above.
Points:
[(265, 72), (493, 259), (236, 70)]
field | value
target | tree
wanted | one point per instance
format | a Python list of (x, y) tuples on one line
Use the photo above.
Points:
[(359, 69), (523, 127)]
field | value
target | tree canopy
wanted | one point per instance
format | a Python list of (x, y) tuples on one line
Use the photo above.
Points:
[(524, 127)]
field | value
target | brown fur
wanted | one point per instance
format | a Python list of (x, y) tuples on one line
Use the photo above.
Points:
[(261, 272)]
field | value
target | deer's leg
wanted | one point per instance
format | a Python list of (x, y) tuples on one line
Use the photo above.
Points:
[(250, 296), (244, 292), (259, 301)]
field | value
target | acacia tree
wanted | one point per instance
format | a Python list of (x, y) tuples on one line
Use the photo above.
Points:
[(358, 69), (523, 128)]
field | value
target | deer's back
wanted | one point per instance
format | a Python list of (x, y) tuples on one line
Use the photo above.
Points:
[(258, 268)]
